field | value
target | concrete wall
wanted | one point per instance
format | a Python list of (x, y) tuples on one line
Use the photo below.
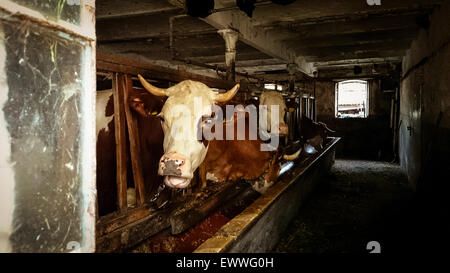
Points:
[(425, 96), (369, 138)]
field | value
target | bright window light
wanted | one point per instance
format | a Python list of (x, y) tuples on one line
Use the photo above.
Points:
[(352, 99)]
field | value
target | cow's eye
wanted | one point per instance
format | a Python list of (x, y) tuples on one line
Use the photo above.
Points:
[(207, 120), (160, 117)]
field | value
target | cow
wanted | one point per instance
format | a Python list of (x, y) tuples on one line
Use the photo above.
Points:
[(268, 99), (151, 138), (313, 133), (231, 160), (187, 111)]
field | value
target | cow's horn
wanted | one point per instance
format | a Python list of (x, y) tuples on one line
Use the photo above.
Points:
[(293, 156), (152, 89), (224, 97), (326, 127)]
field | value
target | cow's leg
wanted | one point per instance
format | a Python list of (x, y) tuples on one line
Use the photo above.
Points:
[(202, 174)]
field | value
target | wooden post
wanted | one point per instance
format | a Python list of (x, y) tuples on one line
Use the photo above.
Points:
[(121, 148), (133, 135)]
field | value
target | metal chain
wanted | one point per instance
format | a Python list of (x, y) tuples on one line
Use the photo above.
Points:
[(160, 189)]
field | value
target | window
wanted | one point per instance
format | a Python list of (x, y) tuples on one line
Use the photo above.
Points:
[(352, 99), (272, 86), (47, 137)]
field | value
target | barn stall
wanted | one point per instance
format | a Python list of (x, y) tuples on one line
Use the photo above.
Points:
[(312, 54)]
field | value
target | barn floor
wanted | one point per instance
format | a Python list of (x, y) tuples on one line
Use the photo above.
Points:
[(358, 202)]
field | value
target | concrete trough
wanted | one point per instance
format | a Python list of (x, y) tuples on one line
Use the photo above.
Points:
[(259, 227)]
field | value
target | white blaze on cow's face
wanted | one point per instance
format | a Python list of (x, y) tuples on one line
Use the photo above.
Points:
[(188, 106), (270, 98)]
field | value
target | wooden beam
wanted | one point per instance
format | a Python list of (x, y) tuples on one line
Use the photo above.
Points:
[(367, 71), (243, 56), (354, 38), (364, 61), (131, 229), (143, 26), (133, 136), (111, 9), (121, 147), (353, 27), (117, 220), (391, 44), (114, 63), (356, 55), (346, 20), (183, 219), (331, 10)]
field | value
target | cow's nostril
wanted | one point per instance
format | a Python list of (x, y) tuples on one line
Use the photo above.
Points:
[(179, 162)]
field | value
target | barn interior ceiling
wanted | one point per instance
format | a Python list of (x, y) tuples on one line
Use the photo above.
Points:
[(328, 36)]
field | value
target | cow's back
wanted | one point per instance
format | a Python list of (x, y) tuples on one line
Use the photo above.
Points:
[(229, 160)]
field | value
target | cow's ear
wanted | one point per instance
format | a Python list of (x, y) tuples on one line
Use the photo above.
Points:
[(138, 106)]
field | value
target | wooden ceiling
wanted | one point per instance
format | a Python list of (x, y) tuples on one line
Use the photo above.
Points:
[(326, 35)]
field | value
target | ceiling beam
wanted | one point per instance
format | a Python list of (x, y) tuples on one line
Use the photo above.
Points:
[(369, 16), (350, 27), (353, 39), (143, 26), (255, 37), (313, 12), (239, 57), (402, 44), (111, 9), (363, 54), (362, 61), (373, 70)]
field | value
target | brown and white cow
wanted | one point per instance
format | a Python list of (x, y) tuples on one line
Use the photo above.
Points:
[(231, 160), (186, 112), (150, 137), (188, 107)]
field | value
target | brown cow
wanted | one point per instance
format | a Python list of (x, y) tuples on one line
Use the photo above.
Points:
[(314, 133), (151, 138), (231, 160)]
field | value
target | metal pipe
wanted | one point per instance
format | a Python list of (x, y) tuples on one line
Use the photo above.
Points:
[(216, 68), (175, 58), (230, 36)]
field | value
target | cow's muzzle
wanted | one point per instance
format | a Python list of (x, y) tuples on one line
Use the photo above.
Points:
[(176, 170)]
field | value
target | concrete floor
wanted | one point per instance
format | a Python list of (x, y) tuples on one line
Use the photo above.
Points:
[(362, 201)]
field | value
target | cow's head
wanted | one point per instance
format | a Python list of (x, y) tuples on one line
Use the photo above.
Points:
[(187, 109), (270, 98)]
